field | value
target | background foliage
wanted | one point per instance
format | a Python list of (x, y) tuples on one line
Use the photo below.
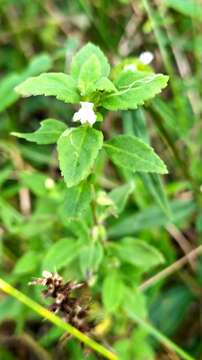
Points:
[(157, 219)]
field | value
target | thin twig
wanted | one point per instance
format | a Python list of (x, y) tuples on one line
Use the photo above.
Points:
[(171, 269), (182, 242), (24, 193)]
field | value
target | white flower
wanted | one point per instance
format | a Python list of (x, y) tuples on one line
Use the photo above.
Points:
[(131, 67), (146, 57), (85, 114)]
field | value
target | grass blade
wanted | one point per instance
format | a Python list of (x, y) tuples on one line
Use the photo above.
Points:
[(162, 338), (10, 290)]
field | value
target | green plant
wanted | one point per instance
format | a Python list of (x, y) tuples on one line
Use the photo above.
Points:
[(82, 193), (78, 151)]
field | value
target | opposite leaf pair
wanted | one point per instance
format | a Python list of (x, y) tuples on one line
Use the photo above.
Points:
[(78, 148), (89, 81)]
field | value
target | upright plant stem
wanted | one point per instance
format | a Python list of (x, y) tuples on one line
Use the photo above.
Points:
[(8, 289)]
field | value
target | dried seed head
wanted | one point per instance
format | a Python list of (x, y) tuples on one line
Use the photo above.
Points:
[(70, 300), (46, 274)]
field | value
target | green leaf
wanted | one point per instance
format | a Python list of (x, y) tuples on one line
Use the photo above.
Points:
[(134, 93), (123, 346), (48, 133), (120, 195), (169, 308), (61, 254), (35, 181), (134, 303), (83, 55), (5, 174), (189, 7), (139, 253), (60, 85), (167, 113), (128, 78), (89, 74), (77, 227), (134, 123), (27, 263), (36, 225), (112, 291), (10, 217), (90, 258), (38, 65), (105, 85), (78, 149), (7, 94), (77, 199), (133, 154), (151, 218), (141, 347), (154, 185), (10, 308)]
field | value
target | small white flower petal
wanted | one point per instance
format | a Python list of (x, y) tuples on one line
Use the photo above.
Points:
[(130, 67), (92, 118), (146, 57), (85, 114), (76, 116), (86, 105)]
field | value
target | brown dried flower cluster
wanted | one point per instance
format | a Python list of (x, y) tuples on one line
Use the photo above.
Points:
[(71, 302)]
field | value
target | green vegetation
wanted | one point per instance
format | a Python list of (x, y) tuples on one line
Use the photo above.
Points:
[(100, 179)]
